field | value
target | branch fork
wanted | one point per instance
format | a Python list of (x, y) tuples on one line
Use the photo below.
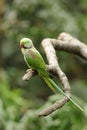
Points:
[(65, 42)]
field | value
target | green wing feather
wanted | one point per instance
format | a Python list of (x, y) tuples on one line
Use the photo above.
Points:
[(35, 61)]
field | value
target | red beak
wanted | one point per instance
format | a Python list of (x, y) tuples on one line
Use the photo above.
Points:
[(21, 45)]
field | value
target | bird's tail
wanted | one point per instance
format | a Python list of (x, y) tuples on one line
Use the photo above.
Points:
[(55, 87)]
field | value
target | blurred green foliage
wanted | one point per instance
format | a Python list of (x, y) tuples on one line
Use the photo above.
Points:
[(37, 20), (69, 117)]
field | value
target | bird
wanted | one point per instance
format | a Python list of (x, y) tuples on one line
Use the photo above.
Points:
[(35, 61)]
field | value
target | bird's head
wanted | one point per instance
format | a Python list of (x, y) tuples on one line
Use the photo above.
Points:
[(25, 43)]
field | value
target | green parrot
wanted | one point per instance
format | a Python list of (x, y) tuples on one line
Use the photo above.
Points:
[(35, 61)]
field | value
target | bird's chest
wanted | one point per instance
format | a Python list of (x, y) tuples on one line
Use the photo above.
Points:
[(31, 54), (30, 57)]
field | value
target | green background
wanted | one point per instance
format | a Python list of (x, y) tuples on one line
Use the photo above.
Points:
[(20, 101)]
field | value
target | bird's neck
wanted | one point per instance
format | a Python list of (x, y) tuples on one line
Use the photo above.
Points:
[(24, 51)]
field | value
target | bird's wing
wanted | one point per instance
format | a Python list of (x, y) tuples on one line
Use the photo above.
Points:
[(35, 61)]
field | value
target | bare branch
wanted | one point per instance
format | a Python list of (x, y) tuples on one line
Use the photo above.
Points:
[(57, 105), (65, 42), (54, 67), (29, 74)]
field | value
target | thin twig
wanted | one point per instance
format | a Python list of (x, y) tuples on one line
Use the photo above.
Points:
[(29, 73)]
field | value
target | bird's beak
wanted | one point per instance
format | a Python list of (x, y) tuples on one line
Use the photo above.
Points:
[(22, 49)]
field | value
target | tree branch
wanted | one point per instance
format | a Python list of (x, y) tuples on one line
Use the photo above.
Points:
[(65, 42), (55, 68), (29, 74)]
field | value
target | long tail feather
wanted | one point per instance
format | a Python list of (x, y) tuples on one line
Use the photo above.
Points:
[(55, 87), (47, 80)]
